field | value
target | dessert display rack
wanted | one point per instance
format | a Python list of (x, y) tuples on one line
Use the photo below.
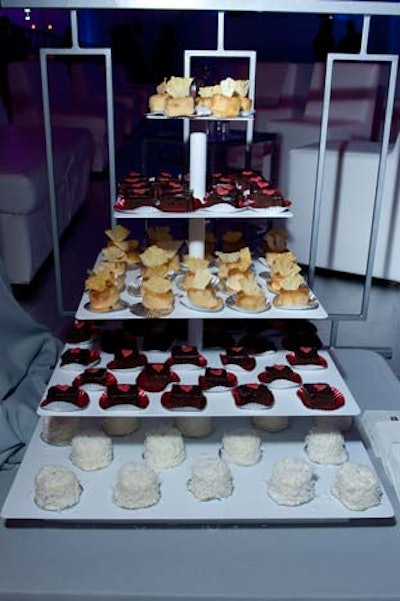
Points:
[(249, 501)]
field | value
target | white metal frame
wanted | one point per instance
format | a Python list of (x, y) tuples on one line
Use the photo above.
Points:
[(75, 50)]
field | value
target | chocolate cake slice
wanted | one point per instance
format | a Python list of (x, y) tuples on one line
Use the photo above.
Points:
[(123, 394), (79, 356), (306, 355), (215, 378), (185, 353), (62, 393), (81, 331), (155, 377), (184, 396), (253, 393), (275, 372), (237, 355), (127, 359), (321, 396), (98, 377)]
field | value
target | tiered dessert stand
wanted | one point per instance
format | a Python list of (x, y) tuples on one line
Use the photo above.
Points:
[(249, 501)]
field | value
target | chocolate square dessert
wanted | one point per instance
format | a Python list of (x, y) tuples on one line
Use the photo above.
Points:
[(214, 378), (256, 344), (321, 396), (185, 353), (184, 396), (80, 356), (81, 331), (156, 376), (253, 393), (306, 355), (237, 355), (123, 394), (94, 376), (127, 359), (275, 372), (63, 393)]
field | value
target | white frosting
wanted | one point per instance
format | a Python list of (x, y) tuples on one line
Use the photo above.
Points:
[(120, 426), (56, 488), (137, 486), (241, 446), (91, 450), (195, 427), (336, 422), (273, 423), (292, 482), (357, 486), (211, 479), (59, 430), (164, 448), (325, 445)]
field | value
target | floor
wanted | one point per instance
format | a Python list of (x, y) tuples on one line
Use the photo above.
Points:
[(380, 329)]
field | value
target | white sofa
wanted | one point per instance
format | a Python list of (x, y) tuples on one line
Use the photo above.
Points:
[(352, 110), (350, 176), (25, 218), (67, 108)]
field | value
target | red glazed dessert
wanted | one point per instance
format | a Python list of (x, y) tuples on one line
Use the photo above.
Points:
[(257, 344), (306, 355), (237, 355), (215, 378), (79, 356), (115, 339), (279, 372), (66, 394), (127, 359), (185, 353), (155, 377), (123, 394), (321, 396), (96, 376), (184, 396), (80, 332), (253, 393)]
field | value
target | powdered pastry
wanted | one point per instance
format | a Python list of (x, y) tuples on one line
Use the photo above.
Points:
[(56, 488), (120, 426), (241, 446), (164, 447), (292, 482), (325, 445), (271, 423), (357, 487), (59, 430), (137, 486), (91, 450), (194, 427), (211, 479)]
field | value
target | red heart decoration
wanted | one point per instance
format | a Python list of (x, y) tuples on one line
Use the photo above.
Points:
[(186, 387), (186, 348), (126, 352), (158, 367), (320, 387), (216, 372), (124, 387), (253, 386)]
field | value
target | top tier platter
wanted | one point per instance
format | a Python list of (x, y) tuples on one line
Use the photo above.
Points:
[(287, 6)]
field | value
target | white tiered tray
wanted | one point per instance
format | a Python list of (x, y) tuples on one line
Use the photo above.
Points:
[(248, 503), (131, 306), (218, 403)]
